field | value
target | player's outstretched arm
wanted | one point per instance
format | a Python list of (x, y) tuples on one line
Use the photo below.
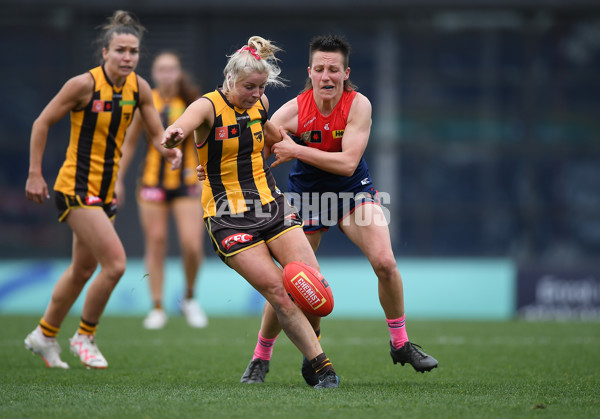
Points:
[(354, 142)]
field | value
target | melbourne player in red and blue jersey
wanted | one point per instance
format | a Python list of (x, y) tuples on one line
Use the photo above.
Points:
[(325, 198), (331, 124)]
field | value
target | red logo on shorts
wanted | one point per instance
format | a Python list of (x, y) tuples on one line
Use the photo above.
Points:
[(152, 194), (91, 200), (236, 238)]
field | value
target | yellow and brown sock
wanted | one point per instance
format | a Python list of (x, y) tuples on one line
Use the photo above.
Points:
[(48, 330), (87, 328), (321, 364)]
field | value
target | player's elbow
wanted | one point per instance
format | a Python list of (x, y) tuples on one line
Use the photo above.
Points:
[(348, 168), (40, 123)]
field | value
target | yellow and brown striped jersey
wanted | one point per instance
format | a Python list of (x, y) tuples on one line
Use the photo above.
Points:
[(156, 171), (97, 133), (237, 177)]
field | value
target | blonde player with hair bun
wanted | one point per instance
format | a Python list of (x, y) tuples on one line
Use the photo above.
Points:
[(249, 221)]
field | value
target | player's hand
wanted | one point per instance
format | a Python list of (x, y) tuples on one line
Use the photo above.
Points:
[(201, 173), (284, 150), (175, 157), (172, 137), (36, 189)]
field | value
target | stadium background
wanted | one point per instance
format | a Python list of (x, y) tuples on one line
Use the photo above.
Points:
[(485, 135)]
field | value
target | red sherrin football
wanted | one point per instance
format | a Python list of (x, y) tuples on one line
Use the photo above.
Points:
[(308, 288)]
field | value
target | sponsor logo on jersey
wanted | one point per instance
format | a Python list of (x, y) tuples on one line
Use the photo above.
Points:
[(230, 131), (250, 123), (127, 102), (101, 106), (326, 127), (229, 241), (338, 133), (309, 121)]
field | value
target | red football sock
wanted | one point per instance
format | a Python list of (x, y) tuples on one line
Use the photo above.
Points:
[(397, 331), (264, 347)]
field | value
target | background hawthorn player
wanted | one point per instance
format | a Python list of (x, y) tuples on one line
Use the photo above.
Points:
[(162, 191), (101, 102)]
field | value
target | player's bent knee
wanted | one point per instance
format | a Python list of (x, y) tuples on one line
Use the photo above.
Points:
[(385, 267), (277, 296), (114, 270), (86, 272)]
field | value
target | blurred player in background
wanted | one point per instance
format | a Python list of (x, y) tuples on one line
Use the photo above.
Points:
[(102, 102), (161, 191), (331, 122), (247, 217)]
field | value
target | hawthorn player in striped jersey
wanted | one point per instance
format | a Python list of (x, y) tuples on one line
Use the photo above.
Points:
[(250, 223), (162, 192), (101, 103)]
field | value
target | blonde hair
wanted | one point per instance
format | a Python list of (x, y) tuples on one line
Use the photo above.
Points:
[(257, 56), (121, 22)]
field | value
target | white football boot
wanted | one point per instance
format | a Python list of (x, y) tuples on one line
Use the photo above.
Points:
[(156, 319), (84, 347), (193, 313), (47, 348)]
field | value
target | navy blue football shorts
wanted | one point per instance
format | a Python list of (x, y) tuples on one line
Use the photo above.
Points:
[(322, 210)]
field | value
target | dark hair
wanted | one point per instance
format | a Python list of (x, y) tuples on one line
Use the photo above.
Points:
[(330, 43), (186, 88), (121, 22)]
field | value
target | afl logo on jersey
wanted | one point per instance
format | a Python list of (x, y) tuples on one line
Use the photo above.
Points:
[(230, 131), (101, 106)]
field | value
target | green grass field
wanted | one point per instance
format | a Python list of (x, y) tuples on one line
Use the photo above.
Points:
[(487, 370)]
